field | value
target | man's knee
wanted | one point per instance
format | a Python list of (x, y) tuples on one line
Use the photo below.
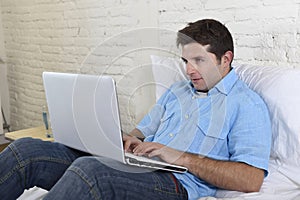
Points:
[(26, 146), (93, 166), (25, 142), (29, 148)]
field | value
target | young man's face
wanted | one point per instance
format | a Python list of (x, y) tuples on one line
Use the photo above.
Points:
[(202, 67)]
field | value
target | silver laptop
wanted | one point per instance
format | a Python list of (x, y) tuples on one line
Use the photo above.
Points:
[(84, 115)]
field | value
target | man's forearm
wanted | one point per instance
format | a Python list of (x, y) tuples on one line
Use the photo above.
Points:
[(224, 174)]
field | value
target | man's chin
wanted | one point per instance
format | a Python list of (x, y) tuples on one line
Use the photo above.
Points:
[(201, 89)]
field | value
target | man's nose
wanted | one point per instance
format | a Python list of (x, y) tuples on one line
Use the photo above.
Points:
[(189, 68)]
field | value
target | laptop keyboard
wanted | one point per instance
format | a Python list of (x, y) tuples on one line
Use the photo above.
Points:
[(148, 162)]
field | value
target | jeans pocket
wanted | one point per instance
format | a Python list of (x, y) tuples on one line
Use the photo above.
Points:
[(166, 183)]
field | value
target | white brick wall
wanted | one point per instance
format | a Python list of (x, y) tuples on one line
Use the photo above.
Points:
[(55, 35)]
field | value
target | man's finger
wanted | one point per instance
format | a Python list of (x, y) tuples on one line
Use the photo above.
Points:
[(127, 145), (154, 153)]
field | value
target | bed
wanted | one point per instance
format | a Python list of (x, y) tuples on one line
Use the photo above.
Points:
[(279, 87)]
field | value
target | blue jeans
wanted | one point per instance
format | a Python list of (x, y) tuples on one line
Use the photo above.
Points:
[(71, 174)]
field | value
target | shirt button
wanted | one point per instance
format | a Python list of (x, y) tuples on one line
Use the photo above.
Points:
[(171, 135), (186, 116), (193, 97)]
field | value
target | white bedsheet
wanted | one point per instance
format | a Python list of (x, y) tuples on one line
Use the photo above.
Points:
[(34, 193), (281, 184)]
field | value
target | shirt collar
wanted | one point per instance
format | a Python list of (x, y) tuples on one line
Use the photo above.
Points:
[(224, 86)]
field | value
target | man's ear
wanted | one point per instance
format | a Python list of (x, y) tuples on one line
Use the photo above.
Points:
[(226, 61), (227, 58)]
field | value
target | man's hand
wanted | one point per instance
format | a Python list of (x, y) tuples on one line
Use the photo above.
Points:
[(153, 149), (130, 142)]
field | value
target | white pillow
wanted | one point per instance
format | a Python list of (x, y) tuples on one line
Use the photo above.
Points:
[(278, 86), (166, 71)]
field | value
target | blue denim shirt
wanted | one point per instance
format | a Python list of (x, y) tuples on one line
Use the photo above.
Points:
[(230, 123)]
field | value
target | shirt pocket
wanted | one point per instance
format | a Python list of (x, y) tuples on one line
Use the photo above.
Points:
[(216, 131), (213, 143)]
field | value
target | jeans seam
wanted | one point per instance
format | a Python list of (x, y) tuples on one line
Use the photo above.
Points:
[(79, 173), (19, 166), (14, 152), (7, 175)]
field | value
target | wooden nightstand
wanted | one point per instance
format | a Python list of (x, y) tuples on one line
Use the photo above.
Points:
[(3, 143), (37, 132)]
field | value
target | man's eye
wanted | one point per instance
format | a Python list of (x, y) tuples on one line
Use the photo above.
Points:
[(199, 60)]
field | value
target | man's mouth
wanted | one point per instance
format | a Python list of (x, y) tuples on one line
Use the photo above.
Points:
[(195, 79)]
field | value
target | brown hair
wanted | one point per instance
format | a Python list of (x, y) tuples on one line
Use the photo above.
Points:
[(207, 32)]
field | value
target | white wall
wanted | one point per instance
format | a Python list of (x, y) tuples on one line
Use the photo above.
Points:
[(4, 95), (53, 35)]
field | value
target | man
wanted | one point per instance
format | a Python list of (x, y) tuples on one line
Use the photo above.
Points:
[(213, 124)]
